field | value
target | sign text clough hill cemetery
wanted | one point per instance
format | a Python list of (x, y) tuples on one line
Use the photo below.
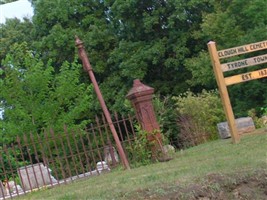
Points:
[(242, 49), (223, 82)]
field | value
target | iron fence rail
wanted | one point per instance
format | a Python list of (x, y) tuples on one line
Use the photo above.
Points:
[(48, 159)]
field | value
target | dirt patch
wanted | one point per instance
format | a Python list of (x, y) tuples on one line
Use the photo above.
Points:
[(241, 186)]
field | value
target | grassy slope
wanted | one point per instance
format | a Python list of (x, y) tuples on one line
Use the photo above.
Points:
[(188, 166)]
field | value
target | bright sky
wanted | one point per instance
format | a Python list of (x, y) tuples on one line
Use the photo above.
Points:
[(18, 9)]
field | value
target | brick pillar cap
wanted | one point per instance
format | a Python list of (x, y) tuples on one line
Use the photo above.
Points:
[(139, 89)]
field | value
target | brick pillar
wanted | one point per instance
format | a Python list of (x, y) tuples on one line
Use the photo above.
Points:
[(141, 98)]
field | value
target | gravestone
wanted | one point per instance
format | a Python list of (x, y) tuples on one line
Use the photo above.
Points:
[(111, 156), (264, 120), (243, 124), (166, 153), (2, 190), (12, 188), (102, 166), (34, 176)]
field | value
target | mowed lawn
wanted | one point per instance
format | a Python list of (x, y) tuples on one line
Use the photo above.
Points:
[(188, 166)]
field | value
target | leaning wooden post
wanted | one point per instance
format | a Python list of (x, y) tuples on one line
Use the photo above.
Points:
[(223, 91), (87, 67)]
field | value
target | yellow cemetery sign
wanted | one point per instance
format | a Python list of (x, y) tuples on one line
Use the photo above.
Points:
[(223, 82)]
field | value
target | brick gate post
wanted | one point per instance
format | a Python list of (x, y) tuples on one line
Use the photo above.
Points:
[(141, 98)]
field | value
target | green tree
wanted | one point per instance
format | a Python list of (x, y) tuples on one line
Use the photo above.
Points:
[(153, 43), (15, 31), (125, 40), (163, 43), (34, 98), (6, 1), (65, 19), (232, 23)]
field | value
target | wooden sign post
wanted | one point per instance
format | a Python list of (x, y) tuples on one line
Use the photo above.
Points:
[(222, 82)]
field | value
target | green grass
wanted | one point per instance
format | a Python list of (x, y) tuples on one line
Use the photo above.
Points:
[(188, 166)]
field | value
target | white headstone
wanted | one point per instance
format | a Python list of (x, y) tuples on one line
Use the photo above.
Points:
[(102, 166), (34, 176)]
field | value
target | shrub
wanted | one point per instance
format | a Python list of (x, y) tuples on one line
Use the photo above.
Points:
[(264, 111), (198, 116), (167, 119), (258, 118), (140, 152), (147, 148)]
